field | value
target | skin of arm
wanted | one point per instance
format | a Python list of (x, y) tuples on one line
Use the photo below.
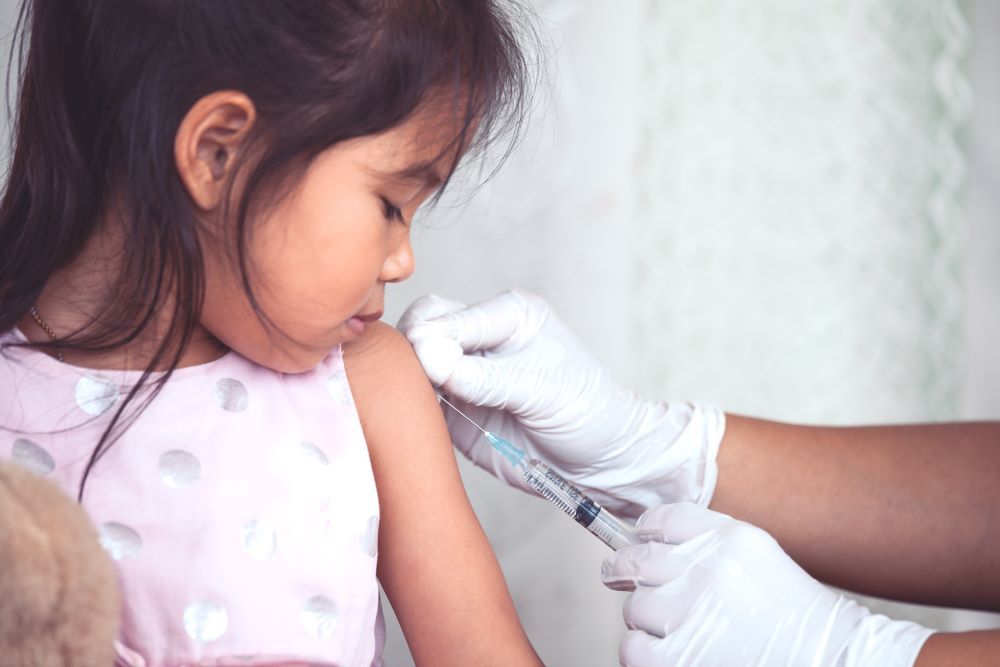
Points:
[(435, 563), (909, 512), (960, 649)]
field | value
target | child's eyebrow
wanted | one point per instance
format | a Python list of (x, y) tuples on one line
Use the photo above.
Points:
[(420, 172)]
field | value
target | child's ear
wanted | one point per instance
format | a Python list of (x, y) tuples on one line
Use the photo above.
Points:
[(207, 141)]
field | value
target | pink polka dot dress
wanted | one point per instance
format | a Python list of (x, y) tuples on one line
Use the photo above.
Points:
[(240, 507)]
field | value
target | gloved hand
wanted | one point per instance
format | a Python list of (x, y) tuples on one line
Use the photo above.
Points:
[(512, 366), (711, 590)]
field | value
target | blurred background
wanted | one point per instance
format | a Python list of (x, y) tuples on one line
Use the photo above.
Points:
[(787, 208)]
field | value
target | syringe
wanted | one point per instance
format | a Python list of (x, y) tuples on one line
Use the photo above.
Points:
[(550, 485)]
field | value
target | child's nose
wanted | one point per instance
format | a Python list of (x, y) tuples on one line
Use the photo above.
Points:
[(400, 264)]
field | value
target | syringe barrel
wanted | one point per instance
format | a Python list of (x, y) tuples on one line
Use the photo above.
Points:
[(553, 487)]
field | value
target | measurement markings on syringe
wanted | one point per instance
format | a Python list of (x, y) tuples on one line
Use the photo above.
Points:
[(580, 507), (566, 487), (538, 485)]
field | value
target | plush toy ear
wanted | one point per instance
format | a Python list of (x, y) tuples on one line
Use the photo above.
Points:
[(59, 601)]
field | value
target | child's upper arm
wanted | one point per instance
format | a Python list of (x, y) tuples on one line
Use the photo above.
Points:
[(435, 563)]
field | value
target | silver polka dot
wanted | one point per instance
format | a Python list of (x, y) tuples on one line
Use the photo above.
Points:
[(313, 454), (319, 616), (369, 538), (95, 395), (179, 468), (339, 389), (205, 621), (33, 457), (119, 540), (258, 538), (231, 395)]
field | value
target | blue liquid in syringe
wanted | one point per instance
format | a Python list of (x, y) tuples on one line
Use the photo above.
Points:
[(553, 487)]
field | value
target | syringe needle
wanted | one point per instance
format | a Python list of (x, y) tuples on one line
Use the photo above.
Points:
[(510, 452), (449, 404), (551, 486)]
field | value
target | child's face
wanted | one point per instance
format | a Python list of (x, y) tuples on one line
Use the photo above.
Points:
[(321, 257)]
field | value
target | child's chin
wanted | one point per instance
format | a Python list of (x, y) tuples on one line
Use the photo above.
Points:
[(301, 365), (291, 361)]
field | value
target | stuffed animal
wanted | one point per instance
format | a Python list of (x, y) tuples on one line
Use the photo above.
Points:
[(59, 604)]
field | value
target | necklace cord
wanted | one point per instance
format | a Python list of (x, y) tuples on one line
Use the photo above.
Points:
[(44, 326)]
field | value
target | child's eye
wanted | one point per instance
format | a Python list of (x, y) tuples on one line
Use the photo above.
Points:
[(391, 211)]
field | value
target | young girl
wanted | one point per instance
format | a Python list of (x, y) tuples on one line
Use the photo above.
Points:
[(205, 203)]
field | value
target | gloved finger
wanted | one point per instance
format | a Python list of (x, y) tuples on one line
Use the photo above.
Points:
[(660, 610), (638, 649), (650, 564), (426, 308), (679, 522), (484, 382), (438, 356), (502, 323)]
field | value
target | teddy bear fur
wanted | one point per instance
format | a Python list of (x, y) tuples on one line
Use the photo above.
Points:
[(59, 602)]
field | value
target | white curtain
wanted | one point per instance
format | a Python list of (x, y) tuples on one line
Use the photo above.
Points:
[(761, 203), (803, 239), (802, 230)]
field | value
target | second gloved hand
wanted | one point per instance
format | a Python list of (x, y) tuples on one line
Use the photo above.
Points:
[(516, 369), (711, 590)]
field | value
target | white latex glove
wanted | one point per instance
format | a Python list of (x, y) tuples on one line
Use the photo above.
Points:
[(512, 366), (722, 592)]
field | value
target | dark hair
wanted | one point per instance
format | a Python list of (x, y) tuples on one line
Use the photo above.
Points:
[(104, 85)]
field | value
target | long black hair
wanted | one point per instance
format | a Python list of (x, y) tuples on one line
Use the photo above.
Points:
[(103, 86)]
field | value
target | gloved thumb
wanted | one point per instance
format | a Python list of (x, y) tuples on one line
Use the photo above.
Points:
[(439, 357), (426, 308)]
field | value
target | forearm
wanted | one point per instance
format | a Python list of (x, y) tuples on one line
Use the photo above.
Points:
[(463, 616), (906, 512), (962, 649)]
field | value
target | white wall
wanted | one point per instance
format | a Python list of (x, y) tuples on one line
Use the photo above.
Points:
[(981, 386)]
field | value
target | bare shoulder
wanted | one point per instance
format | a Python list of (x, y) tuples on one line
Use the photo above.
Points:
[(379, 347), (385, 376)]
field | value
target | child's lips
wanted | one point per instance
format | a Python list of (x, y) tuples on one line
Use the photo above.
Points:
[(356, 324)]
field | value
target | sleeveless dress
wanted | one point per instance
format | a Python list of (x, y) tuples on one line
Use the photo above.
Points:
[(240, 505)]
